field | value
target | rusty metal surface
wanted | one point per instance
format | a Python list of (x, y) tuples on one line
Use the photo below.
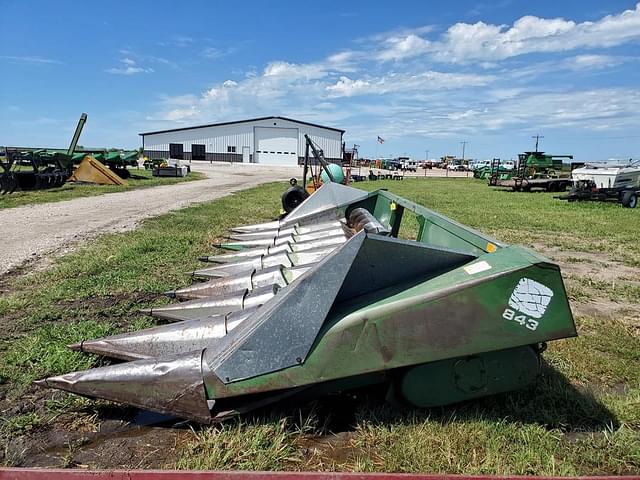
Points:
[(348, 309), (171, 385)]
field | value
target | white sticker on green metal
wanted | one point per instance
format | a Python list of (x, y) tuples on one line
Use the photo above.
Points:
[(477, 267), (530, 297)]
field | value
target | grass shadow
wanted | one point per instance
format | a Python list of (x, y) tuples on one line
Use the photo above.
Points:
[(552, 402)]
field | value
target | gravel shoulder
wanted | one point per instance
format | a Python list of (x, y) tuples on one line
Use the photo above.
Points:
[(31, 233)]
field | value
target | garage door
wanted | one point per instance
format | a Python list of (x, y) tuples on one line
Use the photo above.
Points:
[(276, 146)]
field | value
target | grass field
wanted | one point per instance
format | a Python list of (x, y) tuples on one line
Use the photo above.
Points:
[(582, 417), (140, 178)]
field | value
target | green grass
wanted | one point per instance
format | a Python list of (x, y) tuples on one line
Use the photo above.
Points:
[(140, 178), (582, 417)]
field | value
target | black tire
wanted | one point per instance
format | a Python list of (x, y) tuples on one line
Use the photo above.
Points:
[(629, 199), (123, 173), (292, 197), (293, 182)]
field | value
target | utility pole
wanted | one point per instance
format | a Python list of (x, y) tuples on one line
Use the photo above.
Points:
[(426, 159), (464, 144), (537, 137)]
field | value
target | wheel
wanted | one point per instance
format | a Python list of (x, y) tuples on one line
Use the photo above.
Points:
[(293, 182), (122, 172), (629, 199), (293, 197)]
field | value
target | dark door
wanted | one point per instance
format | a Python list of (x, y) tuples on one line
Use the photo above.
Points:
[(176, 151), (197, 152)]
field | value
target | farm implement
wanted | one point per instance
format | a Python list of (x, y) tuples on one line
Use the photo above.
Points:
[(330, 299), (535, 170), (36, 169), (43, 168)]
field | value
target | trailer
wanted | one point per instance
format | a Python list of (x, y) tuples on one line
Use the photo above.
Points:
[(584, 191), (535, 170), (606, 183)]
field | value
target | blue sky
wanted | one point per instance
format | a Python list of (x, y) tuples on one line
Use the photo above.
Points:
[(422, 75)]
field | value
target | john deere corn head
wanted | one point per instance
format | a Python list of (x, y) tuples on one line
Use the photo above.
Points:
[(330, 299)]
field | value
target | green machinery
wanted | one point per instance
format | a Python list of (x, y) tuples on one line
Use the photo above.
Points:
[(535, 170), (329, 299), (35, 169), (41, 168), (538, 164), (502, 170)]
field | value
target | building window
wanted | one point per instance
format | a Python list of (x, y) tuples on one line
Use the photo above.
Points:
[(231, 149)]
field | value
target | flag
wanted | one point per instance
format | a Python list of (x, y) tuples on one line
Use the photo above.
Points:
[(380, 139)]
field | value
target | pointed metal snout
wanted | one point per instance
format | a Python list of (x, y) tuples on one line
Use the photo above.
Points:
[(215, 305), (172, 385), (172, 339), (250, 280), (259, 263), (257, 227), (281, 240), (287, 247), (284, 231)]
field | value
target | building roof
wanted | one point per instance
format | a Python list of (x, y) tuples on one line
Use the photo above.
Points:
[(241, 121)]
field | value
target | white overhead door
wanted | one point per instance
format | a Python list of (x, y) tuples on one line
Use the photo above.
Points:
[(276, 146)]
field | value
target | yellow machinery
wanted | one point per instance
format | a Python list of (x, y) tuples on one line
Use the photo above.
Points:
[(91, 170)]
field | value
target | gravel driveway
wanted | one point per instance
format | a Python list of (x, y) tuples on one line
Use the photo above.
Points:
[(32, 232)]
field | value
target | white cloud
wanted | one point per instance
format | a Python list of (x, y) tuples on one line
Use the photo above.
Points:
[(214, 52), (128, 67), (414, 99), (294, 72), (483, 42), (593, 62), (397, 48), (399, 82), (30, 59)]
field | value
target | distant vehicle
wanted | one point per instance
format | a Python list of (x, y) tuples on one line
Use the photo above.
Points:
[(408, 165), (456, 168), (477, 164)]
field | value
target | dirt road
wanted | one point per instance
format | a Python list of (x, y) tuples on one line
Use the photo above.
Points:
[(32, 232)]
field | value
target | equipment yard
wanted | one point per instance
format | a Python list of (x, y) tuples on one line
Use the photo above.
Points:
[(32, 231), (581, 417), (338, 242)]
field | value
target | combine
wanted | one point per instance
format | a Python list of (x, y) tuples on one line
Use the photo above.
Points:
[(535, 170), (328, 299)]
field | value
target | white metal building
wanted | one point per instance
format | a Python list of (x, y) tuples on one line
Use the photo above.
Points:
[(266, 140)]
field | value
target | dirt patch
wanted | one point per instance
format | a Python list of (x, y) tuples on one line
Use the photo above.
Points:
[(116, 308), (335, 448), (597, 267), (112, 438)]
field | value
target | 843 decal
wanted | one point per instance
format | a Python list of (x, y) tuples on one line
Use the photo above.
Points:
[(523, 320)]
